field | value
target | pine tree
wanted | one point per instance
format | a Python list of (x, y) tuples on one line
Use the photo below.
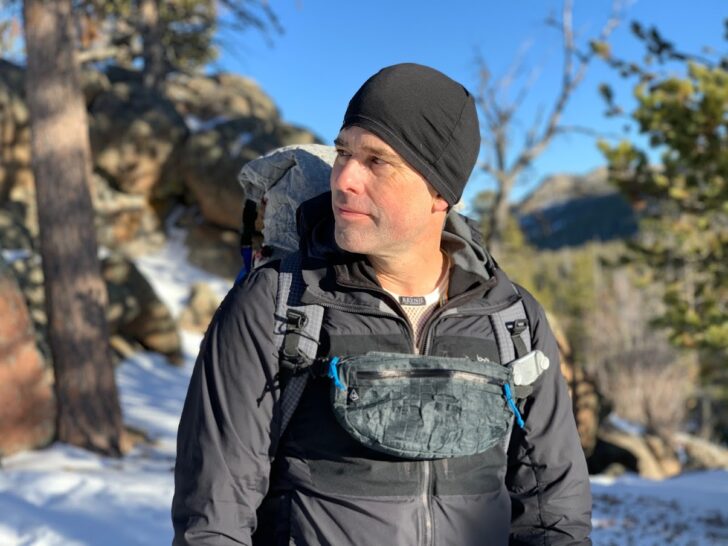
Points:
[(88, 414)]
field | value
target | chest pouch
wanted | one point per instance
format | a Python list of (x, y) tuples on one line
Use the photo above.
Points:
[(424, 407)]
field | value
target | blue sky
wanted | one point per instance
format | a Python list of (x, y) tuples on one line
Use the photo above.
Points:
[(328, 49)]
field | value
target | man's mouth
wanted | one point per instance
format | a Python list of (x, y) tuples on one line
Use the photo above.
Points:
[(347, 212)]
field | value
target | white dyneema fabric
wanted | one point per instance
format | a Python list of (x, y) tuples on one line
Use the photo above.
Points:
[(286, 177)]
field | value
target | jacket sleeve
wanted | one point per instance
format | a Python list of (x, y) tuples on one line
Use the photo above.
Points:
[(225, 431), (547, 475)]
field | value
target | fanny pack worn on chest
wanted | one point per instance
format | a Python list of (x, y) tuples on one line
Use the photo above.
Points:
[(413, 406), (426, 407)]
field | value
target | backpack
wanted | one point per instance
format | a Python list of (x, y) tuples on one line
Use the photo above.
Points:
[(275, 185), (281, 181)]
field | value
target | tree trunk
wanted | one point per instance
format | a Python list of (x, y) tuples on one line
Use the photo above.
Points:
[(152, 44), (499, 214), (707, 423), (89, 415)]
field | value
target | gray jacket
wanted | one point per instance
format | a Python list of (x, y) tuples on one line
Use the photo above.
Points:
[(320, 485)]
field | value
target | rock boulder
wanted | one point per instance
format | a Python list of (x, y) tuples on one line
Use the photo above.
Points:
[(213, 158), (135, 310), (124, 222), (134, 132), (201, 99), (27, 402), (203, 303), (14, 131)]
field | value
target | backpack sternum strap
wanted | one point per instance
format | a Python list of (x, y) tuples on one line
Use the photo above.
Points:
[(291, 357)]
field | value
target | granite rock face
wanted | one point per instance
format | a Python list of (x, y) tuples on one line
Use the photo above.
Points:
[(27, 402)]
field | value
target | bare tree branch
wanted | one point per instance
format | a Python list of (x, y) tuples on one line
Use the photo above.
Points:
[(499, 112), (571, 77), (486, 166), (101, 54), (588, 131)]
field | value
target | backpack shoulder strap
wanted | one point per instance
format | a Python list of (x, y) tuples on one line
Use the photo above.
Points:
[(513, 337), (512, 331), (296, 335)]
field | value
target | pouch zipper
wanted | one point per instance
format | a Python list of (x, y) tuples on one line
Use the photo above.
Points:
[(426, 373)]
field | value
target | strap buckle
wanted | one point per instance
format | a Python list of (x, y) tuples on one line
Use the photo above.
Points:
[(517, 326), (297, 320)]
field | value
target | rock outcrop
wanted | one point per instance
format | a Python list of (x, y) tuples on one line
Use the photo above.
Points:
[(15, 173), (213, 158), (200, 308), (570, 210), (135, 310), (124, 222), (152, 152), (134, 132), (201, 99), (27, 402)]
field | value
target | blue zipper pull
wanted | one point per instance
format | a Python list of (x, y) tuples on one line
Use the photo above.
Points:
[(334, 373), (512, 405)]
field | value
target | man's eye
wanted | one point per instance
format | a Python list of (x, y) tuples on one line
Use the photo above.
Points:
[(342, 153), (378, 161)]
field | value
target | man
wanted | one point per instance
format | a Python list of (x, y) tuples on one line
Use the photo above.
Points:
[(396, 272)]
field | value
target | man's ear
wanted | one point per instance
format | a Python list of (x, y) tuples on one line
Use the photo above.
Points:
[(439, 204)]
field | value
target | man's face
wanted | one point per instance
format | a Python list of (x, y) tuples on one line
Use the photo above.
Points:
[(382, 206)]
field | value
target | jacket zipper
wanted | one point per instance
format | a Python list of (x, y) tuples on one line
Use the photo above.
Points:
[(426, 502), (427, 327), (427, 481), (427, 471), (426, 491)]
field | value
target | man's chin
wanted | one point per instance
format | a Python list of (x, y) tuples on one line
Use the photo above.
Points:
[(351, 242)]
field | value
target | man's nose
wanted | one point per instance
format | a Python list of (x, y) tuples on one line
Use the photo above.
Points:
[(347, 176)]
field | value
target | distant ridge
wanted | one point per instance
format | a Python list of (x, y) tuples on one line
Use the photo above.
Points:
[(571, 210)]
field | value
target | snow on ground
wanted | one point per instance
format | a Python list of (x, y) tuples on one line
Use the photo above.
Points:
[(688, 510), (171, 274), (64, 496)]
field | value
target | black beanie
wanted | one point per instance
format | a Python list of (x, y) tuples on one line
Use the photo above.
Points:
[(426, 117)]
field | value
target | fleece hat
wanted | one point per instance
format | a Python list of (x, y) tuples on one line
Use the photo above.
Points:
[(426, 117)]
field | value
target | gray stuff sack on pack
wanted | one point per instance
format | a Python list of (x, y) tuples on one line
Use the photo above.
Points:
[(425, 407)]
